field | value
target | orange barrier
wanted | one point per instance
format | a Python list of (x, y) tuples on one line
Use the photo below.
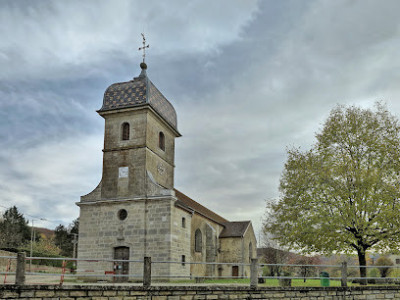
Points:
[(63, 272), (7, 270)]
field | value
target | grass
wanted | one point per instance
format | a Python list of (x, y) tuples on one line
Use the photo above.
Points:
[(268, 282), (300, 282)]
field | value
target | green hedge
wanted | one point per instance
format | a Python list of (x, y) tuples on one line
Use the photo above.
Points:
[(47, 262)]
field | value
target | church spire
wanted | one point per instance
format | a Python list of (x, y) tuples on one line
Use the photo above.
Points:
[(143, 65)]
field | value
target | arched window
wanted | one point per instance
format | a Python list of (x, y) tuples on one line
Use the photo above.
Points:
[(161, 141), (198, 241), (125, 131), (250, 252)]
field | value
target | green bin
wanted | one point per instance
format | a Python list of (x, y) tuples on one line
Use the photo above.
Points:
[(324, 276)]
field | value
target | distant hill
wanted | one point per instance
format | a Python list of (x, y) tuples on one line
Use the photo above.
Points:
[(48, 233)]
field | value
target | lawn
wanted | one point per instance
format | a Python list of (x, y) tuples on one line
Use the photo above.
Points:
[(300, 282), (268, 282)]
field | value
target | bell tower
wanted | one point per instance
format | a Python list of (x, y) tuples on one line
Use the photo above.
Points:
[(139, 140), (132, 212)]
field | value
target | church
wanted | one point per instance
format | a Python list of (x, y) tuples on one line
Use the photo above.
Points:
[(136, 212)]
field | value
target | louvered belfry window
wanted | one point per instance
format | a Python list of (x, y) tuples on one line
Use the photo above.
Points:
[(161, 141), (125, 131)]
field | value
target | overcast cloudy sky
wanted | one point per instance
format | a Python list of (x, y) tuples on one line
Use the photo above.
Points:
[(247, 78)]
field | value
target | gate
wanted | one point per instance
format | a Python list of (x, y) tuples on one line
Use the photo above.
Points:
[(121, 268), (235, 271)]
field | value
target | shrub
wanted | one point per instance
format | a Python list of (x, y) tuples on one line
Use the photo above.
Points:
[(386, 263), (373, 272)]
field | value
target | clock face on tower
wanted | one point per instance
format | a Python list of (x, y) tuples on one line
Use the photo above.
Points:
[(123, 172)]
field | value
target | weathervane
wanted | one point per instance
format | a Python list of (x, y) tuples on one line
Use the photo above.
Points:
[(144, 47)]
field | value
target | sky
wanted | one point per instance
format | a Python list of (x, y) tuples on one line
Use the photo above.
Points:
[(248, 79)]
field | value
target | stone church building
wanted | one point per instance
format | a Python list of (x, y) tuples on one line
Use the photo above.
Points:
[(135, 211)]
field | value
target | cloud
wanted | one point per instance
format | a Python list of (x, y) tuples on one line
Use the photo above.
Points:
[(248, 79), (337, 52), (62, 39), (47, 179)]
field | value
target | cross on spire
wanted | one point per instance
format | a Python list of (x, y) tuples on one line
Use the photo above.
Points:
[(144, 47)]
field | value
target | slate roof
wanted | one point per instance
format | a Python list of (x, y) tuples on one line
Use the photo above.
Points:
[(198, 208), (231, 229), (234, 229), (138, 92)]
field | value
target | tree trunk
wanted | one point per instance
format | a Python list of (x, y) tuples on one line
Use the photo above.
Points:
[(305, 274), (362, 263)]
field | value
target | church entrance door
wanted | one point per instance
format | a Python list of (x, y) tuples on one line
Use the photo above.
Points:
[(120, 267), (235, 271)]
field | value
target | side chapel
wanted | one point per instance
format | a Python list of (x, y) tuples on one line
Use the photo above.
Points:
[(135, 211)]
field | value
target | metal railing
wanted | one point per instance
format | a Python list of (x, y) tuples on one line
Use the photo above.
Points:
[(142, 270)]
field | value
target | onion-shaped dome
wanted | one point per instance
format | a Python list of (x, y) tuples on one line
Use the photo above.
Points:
[(139, 92)]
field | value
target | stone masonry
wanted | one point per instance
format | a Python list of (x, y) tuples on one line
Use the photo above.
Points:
[(135, 212), (195, 292), (132, 209)]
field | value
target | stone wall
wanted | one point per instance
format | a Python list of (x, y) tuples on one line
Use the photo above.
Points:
[(231, 252), (204, 224), (124, 153), (160, 162), (140, 153), (180, 242), (236, 250), (101, 231), (195, 292), (248, 238)]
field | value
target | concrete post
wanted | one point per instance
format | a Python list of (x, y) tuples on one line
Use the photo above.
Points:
[(254, 273), (344, 274), (20, 272), (147, 272)]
